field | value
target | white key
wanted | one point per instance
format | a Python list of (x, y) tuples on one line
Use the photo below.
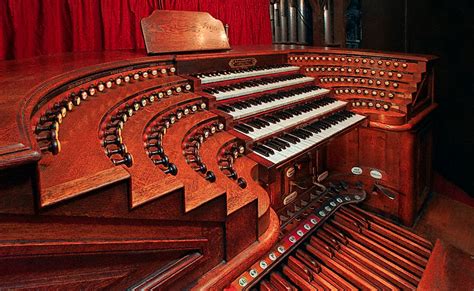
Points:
[(254, 109), (233, 76), (275, 157), (311, 141), (261, 88), (295, 120), (298, 147)]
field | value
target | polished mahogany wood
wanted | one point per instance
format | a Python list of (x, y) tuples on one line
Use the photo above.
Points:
[(167, 31), (245, 168), (404, 159), (335, 255), (161, 230)]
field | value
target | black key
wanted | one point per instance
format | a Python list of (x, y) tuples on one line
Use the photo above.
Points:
[(281, 143), (301, 133), (263, 123), (312, 129), (290, 139), (253, 102), (226, 108), (238, 106), (308, 132), (223, 108), (241, 128), (270, 119), (297, 134), (249, 128), (273, 145), (265, 149), (253, 124), (260, 151)]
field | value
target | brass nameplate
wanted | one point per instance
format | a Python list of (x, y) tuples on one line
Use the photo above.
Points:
[(242, 63)]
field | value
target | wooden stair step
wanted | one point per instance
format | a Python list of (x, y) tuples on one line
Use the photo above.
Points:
[(88, 143), (197, 190), (149, 182), (80, 147), (87, 184), (242, 204)]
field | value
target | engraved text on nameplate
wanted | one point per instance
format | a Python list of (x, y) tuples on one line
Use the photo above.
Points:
[(242, 63)]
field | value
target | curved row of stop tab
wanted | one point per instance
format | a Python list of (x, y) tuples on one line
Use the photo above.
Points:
[(47, 126), (363, 81), (364, 91), (227, 156), (157, 130), (111, 134), (351, 71), (193, 142), (350, 59), (371, 104)]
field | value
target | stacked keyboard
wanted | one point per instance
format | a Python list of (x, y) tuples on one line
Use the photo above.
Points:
[(279, 112), (289, 144), (242, 109), (219, 76), (256, 86), (269, 124)]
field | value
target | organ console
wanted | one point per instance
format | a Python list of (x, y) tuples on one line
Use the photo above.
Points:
[(266, 168)]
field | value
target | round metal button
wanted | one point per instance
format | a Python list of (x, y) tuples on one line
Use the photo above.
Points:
[(243, 282), (272, 256)]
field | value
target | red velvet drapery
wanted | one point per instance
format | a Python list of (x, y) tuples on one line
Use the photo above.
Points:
[(37, 27)]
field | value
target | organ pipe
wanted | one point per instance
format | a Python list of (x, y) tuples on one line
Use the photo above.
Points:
[(283, 21), (292, 18), (276, 21), (272, 21), (300, 12), (289, 20), (329, 22)]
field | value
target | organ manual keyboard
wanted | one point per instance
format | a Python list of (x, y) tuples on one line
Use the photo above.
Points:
[(121, 170), (214, 77), (249, 87), (282, 147), (270, 101)]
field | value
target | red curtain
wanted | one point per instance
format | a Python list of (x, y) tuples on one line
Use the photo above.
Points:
[(38, 27)]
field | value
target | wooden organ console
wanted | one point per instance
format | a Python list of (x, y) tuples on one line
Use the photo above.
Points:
[(251, 168)]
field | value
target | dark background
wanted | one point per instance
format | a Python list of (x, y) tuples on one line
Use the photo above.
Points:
[(446, 29)]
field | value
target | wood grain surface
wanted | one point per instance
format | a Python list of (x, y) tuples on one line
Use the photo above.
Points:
[(74, 220), (167, 31)]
